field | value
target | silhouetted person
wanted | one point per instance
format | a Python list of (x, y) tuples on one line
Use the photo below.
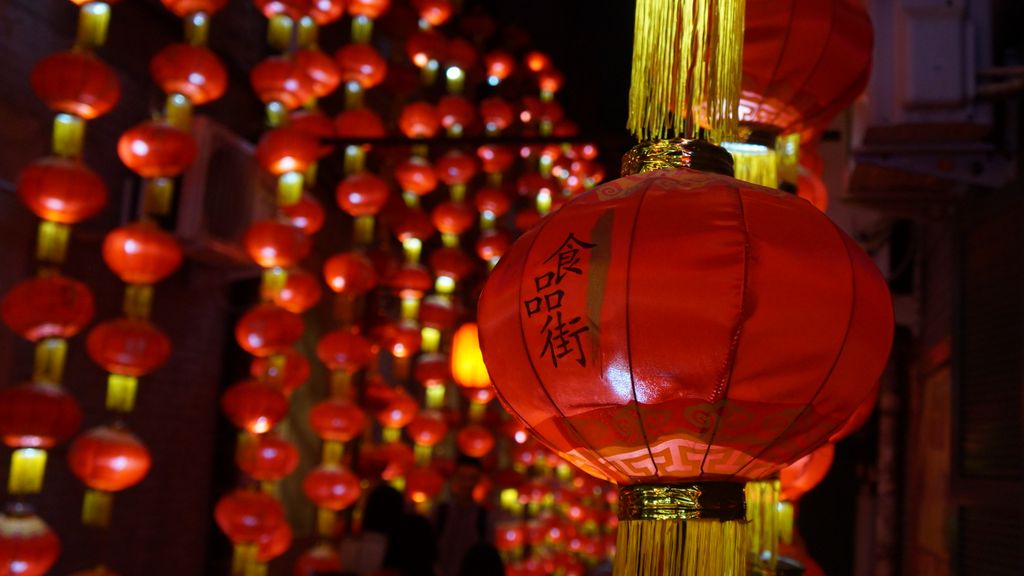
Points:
[(461, 522), (392, 542), (482, 559)]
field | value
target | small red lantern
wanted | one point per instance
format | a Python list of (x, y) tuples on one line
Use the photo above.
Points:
[(495, 158), (128, 347), (192, 71), (76, 83), (350, 273), (419, 120), (312, 122), (268, 329), (411, 281), (286, 149), (254, 406), (344, 350), (301, 291), (455, 168), (246, 516), (371, 9), (319, 559), (47, 307), (109, 459), (500, 66), (331, 487), (273, 544), (324, 12), (453, 218), (451, 263), (433, 12), (141, 253), (475, 440), (321, 69), (359, 123), (399, 412), (286, 370), (337, 420), (425, 46), (509, 536), (416, 175), (360, 63), (155, 149), (61, 190), (185, 8), (37, 415), (271, 243), (492, 245), (281, 80), (437, 312), (537, 61), (28, 546), (492, 202), (423, 484), (456, 112), (362, 194), (267, 457), (307, 214), (428, 428)]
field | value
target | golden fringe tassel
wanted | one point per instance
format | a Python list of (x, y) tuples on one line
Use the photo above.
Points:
[(681, 548), (786, 518), (755, 164), (687, 68), (762, 514), (788, 149)]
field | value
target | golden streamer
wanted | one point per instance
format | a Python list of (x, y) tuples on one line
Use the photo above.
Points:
[(687, 68), (763, 524), (786, 518), (755, 164), (681, 548), (788, 148)]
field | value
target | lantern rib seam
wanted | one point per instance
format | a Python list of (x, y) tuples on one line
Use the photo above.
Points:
[(835, 361), (778, 62), (722, 390), (540, 381)]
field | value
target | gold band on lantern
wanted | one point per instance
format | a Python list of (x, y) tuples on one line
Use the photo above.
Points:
[(707, 501), (677, 153)]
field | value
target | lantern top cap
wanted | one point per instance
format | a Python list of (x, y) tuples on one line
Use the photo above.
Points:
[(677, 153)]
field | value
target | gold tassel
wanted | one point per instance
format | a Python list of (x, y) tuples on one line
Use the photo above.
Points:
[(786, 518), (755, 164), (762, 516), (788, 149), (687, 67)]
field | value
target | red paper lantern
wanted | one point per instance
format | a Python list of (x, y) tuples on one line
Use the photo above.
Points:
[(324, 12), (801, 476), (61, 190), (76, 83), (399, 412), (455, 111), (455, 168), (37, 415), (319, 559), (155, 149), (286, 370), (47, 307), (500, 66), (428, 428), (267, 457), (350, 273), (337, 420), (492, 245), (344, 350), (478, 395), (360, 63), (550, 80), (128, 347), (411, 281), (453, 218), (28, 546), (254, 406), (423, 484), (268, 329), (492, 201), (419, 120), (762, 328), (277, 79), (461, 54), (371, 9), (359, 123), (301, 291), (283, 150), (859, 417), (475, 440), (245, 516), (509, 536), (312, 122), (433, 12), (192, 71), (437, 312), (425, 46), (451, 263), (416, 175), (362, 194), (109, 459), (468, 367), (537, 61), (331, 487), (321, 69), (307, 214), (185, 8), (271, 243), (141, 253), (273, 544), (293, 9)]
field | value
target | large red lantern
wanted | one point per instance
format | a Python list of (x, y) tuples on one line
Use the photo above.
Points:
[(675, 331), (128, 347), (47, 307), (28, 546), (156, 150), (37, 415), (61, 190), (76, 83), (109, 459), (141, 253), (192, 71)]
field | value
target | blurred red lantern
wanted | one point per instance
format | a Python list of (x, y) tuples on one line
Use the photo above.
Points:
[(293, 9), (344, 350), (47, 307), (478, 395), (313, 123), (37, 415), (273, 544), (192, 71), (475, 440), (433, 12), (550, 80), (337, 420), (286, 149), (500, 66), (402, 339), (468, 366), (432, 369), (184, 8), (460, 54), (128, 347), (399, 412), (141, 253), (509, 536), (350, 273), (28, 546), (97, 571), (324, 12), (495, 158), (425, 46), (61, 190), (537, 61), (451, 263), (267, 457), (286, 370), (331, 487), (453, 218), (254, 406), (526, 219), (371, 9), (301, 291), (492, 201), (805, 342), (307, 214), (360, 63), (423, 484), (419, 120), (859, 417), (246, 516), (319, 559), (277, 79), (155, 149), (362, 194), (801, 476), (109, 458), (455, 111), (268, 329), (416, 175), (271, 243), (491, 246), (428, 428), (359, 123), (321, 69), (411, 281), (437, 312), (76, 83), (455, 168)]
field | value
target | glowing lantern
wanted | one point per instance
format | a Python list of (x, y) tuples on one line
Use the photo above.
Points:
[(192, 71), (350, 273), (416, 175), (246, 516), (359, 123), (284, 150), (61, 190), (254, 406), (156, 150), (267, 457), (301, 291), (37, 415), (475, 440), (109, 459), (344, 350), (141, 253), (47, 307), (128, 347), (319, 559), (76, 83), (423, 484), (360, 63), (286, 370), (428, 428), (273, 544), (268, 329), (468, 367), (500, 66), (321, 69), (28, 546), (331, 487), (337, 420), (433, 12), (307, 214), (419, 120), (362, 194), (184, 8), (283, 81)]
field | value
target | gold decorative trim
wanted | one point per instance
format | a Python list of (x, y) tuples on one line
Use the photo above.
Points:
[(677, 153), (700, 501)]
